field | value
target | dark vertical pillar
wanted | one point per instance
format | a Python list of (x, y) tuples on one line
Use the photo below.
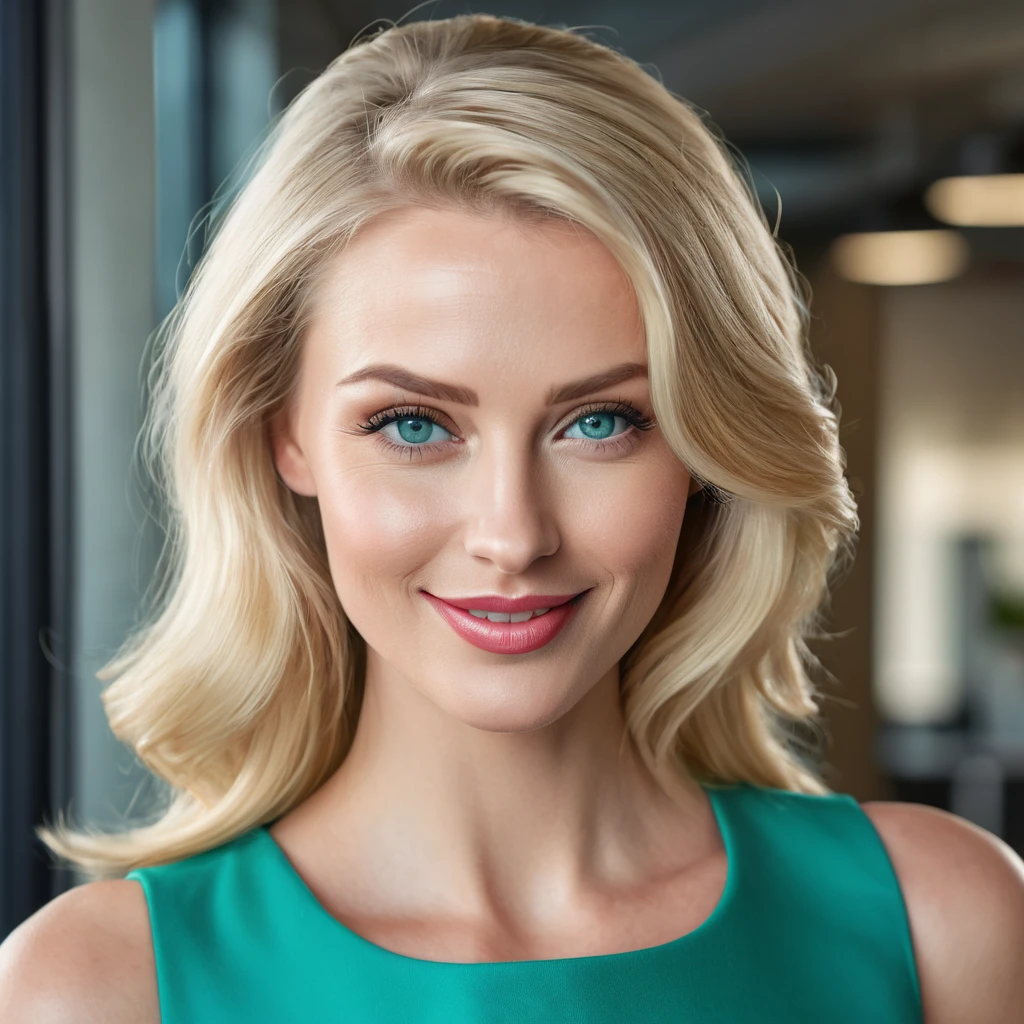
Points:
[(35, 477)]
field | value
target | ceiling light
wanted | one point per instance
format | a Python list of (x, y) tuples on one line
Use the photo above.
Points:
[(900, 257), (978, 200)]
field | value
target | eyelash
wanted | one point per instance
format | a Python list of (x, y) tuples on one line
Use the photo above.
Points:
[(621, 408)]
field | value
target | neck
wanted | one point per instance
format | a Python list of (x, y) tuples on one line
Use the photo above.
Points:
[(442, 816)]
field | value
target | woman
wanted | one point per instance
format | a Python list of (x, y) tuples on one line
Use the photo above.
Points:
[(506, 495)]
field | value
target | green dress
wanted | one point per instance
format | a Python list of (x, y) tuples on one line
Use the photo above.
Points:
[(811, 928)]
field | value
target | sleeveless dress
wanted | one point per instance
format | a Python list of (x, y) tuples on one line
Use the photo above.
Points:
[(811, 927)]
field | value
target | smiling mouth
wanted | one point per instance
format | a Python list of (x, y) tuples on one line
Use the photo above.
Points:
[(502, 635)]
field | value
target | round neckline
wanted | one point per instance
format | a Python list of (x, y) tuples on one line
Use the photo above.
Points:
[(722, 909)]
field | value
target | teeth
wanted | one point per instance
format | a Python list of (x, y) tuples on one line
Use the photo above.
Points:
[(506, 617)]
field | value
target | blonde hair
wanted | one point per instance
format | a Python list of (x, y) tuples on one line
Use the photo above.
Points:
[(243, 690)]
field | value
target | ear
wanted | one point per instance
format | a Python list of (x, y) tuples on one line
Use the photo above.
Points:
[(289, 458)]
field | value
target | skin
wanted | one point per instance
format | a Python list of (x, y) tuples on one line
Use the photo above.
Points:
[(484, 812)]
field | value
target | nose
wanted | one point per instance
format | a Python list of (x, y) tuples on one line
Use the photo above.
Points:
[(508, 516)]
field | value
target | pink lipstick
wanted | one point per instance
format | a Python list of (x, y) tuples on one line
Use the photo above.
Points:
[(508, 637)]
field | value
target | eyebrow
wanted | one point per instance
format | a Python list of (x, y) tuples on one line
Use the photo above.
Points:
[(390, 373)]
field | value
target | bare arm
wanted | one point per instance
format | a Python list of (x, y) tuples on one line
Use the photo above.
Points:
[(964, 890), (84, 958)]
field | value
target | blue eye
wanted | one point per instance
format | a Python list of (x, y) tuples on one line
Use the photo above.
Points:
[(416, 430), (597, 426)]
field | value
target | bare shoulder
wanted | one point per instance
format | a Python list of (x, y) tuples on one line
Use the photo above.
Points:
[(87, 956), (964, 891)]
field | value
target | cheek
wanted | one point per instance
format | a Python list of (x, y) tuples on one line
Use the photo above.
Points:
[(633, 528), (378, 528)]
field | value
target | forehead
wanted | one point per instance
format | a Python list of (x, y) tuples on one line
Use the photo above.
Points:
[(454, 288)]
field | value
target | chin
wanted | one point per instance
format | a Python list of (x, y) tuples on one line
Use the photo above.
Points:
[(517, 714)]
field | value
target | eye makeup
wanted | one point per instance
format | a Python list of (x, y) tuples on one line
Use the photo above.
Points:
[(624, 441)]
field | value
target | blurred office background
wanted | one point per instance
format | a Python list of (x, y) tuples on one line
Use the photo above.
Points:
[(889, 132)]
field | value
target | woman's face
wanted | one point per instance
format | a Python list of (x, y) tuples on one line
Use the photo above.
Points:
[(452, 421)]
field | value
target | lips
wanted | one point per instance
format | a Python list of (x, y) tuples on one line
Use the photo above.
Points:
[(508, 637), (527, 603)]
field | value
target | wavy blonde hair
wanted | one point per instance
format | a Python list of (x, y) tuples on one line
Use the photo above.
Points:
[(242, 690)]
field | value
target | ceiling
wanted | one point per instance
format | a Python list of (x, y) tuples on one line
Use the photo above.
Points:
[(847, 109)]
